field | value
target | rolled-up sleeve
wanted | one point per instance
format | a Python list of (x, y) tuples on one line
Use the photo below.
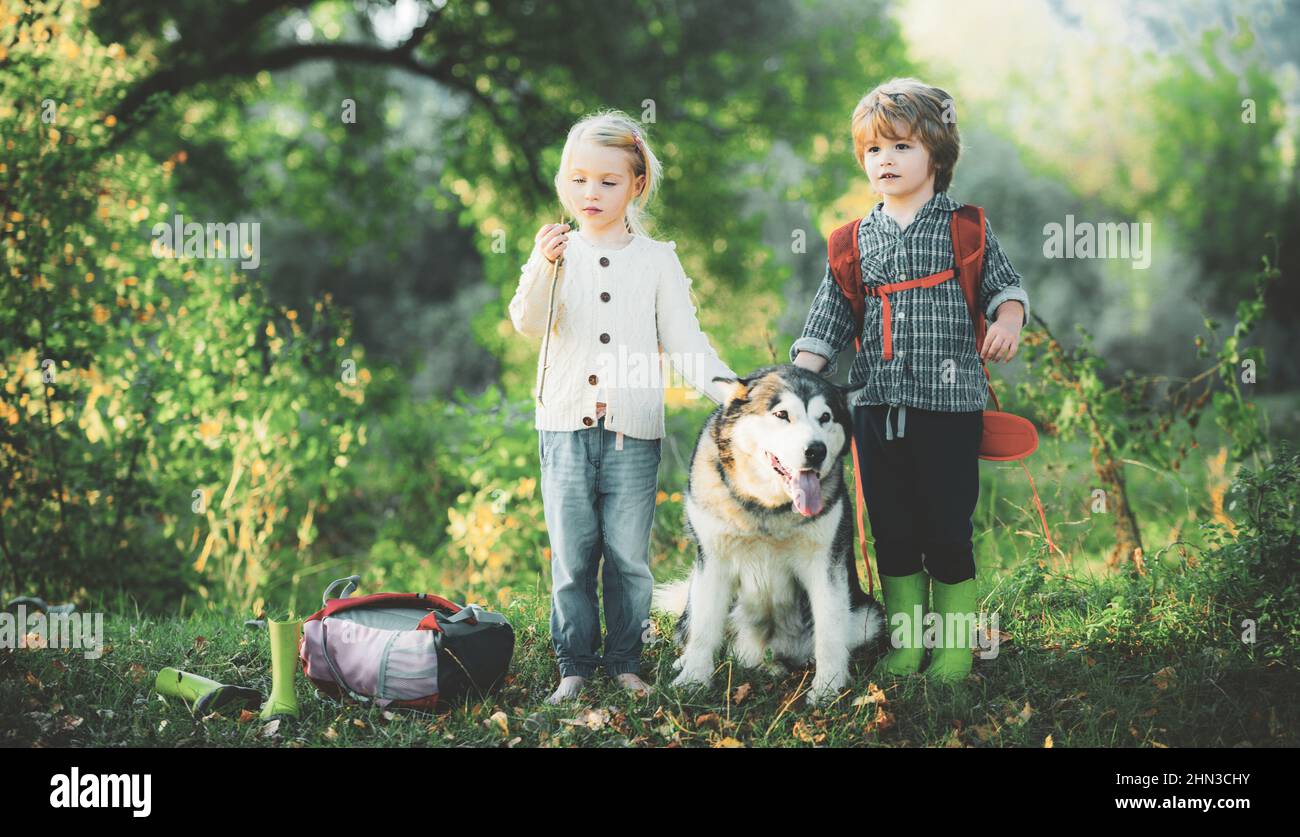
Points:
[(829, 325), (528, 307), (681, 337), (1001, 282)]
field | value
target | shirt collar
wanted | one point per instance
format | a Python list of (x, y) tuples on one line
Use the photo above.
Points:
[(939, 202)]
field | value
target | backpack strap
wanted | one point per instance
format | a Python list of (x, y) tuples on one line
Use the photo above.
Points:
[(968, 262), (846, 266)]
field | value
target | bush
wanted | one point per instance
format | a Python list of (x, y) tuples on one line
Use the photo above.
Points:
[(162, 426), (1254, 573)]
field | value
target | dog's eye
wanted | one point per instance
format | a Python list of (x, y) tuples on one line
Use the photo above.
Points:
[(825, 418), (782, 415)]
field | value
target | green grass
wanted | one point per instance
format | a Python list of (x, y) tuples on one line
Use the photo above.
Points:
[(1089, 663), (1093, 658)]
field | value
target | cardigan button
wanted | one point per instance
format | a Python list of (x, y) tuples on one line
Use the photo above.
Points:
[(604, 338), (604, 261), (591, 379), (604, 296), (587, 421)]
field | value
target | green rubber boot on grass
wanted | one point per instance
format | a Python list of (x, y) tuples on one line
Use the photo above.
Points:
[(905, 596), (283, 702), (950, 661), (206, 695)]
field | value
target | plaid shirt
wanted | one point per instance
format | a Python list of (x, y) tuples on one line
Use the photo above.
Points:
[(936, 365)]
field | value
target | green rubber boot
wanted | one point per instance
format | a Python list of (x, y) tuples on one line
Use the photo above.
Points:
[(950, 661), (206, 695), (283, 701), (905, 605)]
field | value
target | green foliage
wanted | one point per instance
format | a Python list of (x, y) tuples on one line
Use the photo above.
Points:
[(1145, 418), (161, 424), (1253, 573), (496, 527)]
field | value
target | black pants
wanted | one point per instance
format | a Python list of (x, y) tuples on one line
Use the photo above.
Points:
[(920, 482)]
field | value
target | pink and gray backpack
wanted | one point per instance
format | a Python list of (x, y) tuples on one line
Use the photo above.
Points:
[(404, 649)]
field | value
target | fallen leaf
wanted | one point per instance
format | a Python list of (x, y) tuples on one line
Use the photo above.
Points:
[(1164, 678), (246, 715), (874, 696), (1021, 717), (592, 719), (271, 730), (501, 719), (1047, 743), (805, 734), (727, 743), (742, 692)]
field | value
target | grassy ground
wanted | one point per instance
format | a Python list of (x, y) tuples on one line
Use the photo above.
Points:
[(1081, 665), (1089, 657)]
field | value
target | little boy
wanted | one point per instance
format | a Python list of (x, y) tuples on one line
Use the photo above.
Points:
[(920, 477)]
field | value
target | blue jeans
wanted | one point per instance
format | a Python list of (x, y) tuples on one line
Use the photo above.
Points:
[(598, 500)]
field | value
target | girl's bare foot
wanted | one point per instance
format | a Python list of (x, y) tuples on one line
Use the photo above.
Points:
[(633, 684), (569, 689)]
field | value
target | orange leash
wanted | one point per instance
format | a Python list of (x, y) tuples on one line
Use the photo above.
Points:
[(1038, 503), (862, 528)]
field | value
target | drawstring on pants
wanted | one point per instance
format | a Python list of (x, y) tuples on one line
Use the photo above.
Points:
[(901, 420)]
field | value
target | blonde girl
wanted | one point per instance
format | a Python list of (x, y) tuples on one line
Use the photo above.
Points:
[(611, 296)]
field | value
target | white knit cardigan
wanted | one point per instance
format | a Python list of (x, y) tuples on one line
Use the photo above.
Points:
[(618, 315)]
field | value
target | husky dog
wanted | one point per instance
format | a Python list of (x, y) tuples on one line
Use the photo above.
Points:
[(767, 505)]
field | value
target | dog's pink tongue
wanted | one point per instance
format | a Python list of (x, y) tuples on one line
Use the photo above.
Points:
[(808, 493)]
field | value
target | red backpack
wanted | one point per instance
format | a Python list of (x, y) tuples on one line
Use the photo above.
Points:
[(413, 650), (1007, 437)]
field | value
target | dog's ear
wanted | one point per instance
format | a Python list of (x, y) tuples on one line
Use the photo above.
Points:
[(737, 388)]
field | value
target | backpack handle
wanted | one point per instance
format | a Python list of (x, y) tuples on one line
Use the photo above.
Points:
[(351, 582)]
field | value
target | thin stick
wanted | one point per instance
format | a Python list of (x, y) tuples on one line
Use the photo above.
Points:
[(550, 314)]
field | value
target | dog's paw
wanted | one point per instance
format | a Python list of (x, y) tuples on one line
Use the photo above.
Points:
[(691, 678), (819, 697), (677, 664), (825, 690), (748, 658)]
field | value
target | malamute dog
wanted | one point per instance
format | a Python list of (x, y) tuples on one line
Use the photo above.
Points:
[(767, 505)]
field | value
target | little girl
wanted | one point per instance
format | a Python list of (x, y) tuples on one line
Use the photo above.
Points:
[(618, 297)]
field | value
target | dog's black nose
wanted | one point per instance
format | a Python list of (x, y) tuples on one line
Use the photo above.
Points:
[(815, 455)]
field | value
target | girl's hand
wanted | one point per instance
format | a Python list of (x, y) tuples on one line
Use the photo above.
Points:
[(1001, 341), (552, 239)]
